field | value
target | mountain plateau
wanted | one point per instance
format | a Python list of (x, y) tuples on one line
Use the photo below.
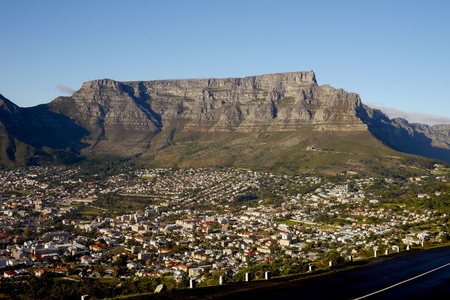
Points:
[(272, 120)]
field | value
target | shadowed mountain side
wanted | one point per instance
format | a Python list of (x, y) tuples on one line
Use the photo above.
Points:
[(49, 129), (418, 139), (26, 130)]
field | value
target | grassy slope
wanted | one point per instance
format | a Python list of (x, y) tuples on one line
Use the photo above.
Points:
[(277, 151), (13, 152)]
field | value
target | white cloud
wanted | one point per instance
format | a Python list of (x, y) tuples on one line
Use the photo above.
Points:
[(412, 117), (65, 89)]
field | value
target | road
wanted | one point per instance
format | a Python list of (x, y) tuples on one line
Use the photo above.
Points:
[(420, 275)]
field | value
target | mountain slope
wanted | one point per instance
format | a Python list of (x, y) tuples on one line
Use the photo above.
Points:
[(418, 139)]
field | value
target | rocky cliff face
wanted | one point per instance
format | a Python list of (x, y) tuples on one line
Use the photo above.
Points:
[(134, 118), (113, 110)]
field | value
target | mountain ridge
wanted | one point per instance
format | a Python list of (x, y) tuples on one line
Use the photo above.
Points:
[(164, 120)]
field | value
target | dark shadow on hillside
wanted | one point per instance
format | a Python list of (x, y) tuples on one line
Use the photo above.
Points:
[(41, 127), (401, 136)]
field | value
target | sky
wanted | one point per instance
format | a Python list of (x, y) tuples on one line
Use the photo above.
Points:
[(394, 54)]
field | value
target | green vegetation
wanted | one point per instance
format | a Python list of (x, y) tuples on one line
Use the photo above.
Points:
[(119, 204), (102, 166), (53, 288), (90, 212), (289, 222), (67, 158), (285, 153)]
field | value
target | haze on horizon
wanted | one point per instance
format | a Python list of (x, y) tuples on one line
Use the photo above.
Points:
[(394, 54)]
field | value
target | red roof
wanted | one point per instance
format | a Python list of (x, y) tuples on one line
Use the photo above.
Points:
[(252, 252), (10, 273)]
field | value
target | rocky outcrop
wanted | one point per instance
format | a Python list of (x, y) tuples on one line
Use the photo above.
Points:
[(274, 102)]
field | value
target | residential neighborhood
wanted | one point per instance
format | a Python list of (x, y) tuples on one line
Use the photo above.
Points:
[(193, 223)]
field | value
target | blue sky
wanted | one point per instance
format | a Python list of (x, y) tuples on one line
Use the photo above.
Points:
[(395, 54)]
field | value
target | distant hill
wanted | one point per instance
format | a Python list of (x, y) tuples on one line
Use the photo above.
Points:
[(280, 121)]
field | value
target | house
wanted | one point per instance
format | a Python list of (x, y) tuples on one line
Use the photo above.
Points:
[(285, 242), (183, 267), (9, 274), (193, 272), (265, 249), (201, 256), (165, 252)]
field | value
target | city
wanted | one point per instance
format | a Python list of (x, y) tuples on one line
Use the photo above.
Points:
[(199, 224)]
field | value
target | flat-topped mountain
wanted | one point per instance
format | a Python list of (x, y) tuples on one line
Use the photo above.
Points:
[(253, 121)]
